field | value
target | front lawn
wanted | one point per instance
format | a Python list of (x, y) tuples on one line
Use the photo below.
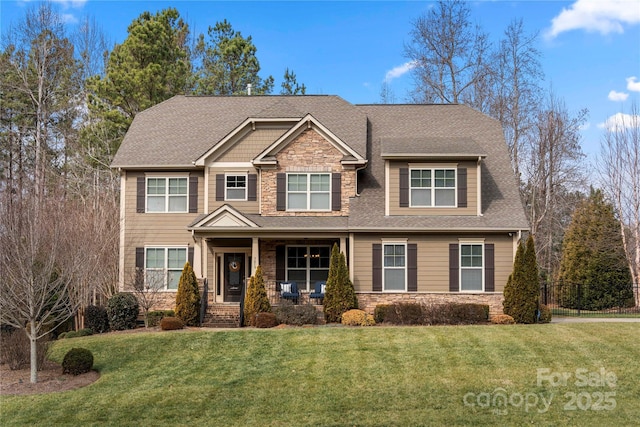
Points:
[(559, 374)]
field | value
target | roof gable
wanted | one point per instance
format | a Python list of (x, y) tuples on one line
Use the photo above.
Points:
[(223, 217)]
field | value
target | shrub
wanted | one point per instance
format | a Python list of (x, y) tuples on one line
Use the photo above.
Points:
[(545, 314), (340, 294), (357, 317), (96, 319), (265, 320), (380, 312), (15, 349), (122, 309), (154, 317), (80, 333), (188, 297), (521, 293), (171, 323), (502, 319), (256, 300), (404, 313), (298, 315), (62, 335), (77, 361), (456, 314)]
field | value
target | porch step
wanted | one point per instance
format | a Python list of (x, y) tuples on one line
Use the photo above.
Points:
[(222, 316)]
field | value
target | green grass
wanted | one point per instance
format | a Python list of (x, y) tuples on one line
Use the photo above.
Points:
[(344, 376)]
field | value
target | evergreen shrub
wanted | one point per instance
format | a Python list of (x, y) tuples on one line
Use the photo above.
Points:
[(297, 315), (188, 297), (265, 320), (357, 317), (256, 300), (77, 361), (96, 319), (122, 309), (171, 323)]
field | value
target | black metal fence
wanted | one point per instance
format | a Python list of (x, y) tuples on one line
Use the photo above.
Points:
[(577, 299)]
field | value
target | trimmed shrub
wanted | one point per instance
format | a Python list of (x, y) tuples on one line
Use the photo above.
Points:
[(455, 313), (521, 293), (62, 335), (404, 313), (77, 361), (340, 294), (298, 315), (265, 320), (15, 350), (171, 323), (122, 309), (357, 317), (502, 319), (154, 317), (188, 297), (80, 333), (380, 312), (545, 314), (256, 300), (96, 319)]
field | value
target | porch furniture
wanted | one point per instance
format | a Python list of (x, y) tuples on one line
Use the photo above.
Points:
[(318, 292), (289, 290)]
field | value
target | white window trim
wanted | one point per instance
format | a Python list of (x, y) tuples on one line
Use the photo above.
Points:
[(166, 195), (165, 269), (309, 192), (433, 188), (405, 268), (475, 242), (308, 267), (246, 186)]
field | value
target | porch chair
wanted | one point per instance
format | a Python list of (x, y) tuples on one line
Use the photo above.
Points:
[(289, 290), (318, 292)]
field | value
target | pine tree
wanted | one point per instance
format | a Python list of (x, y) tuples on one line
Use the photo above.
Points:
[(188, 297), (339, 293), (256, 301), (521, 293), (593, 257)]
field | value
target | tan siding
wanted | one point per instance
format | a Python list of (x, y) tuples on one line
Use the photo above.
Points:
[(433, 260), (145, 229), (251, 144), (394, 193), (242, 206)]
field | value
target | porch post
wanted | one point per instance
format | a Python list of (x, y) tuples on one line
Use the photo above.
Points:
[(351, 254), (343, 245), (255, 254), (204, 246)]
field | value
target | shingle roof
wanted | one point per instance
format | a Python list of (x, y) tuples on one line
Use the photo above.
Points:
[(176, 132)]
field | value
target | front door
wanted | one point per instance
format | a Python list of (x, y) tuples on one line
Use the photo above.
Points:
[(234, 274)]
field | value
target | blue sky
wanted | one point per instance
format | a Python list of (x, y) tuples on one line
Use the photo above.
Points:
[(590, 48)]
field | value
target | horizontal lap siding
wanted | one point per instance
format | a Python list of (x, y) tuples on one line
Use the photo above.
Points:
[(433, 260), (162, 229), (394, 192)]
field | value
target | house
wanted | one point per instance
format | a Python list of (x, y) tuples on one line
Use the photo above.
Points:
[(420, 198)]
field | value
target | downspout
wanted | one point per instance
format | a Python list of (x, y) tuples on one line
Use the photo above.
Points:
[(479, 185)]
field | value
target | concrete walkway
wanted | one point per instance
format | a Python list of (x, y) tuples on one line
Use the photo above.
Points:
[(569, 319)]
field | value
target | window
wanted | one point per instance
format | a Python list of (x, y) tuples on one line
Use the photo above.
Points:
[(471, 267), (236, 187), (167, 194), (394, 267), (163, 267), (309, 191), (433, 187), (308, 264)]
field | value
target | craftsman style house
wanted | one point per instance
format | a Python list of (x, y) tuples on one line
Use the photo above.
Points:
[(421, 199)]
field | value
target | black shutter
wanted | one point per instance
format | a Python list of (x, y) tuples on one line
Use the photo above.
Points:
[(139, 274), (404, 187), (462, 187), (281, 192), (454, 272), (193, 194), (140, 194), (252, 187), (219, 187), (412, 264), (280, 264), (190, 256), (336, 191), (376, 262), (489, 268)]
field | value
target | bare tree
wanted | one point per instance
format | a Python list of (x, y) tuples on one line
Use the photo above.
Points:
[(552, 173), (449, 52), (41, 258), (619, 167), (148, 290)]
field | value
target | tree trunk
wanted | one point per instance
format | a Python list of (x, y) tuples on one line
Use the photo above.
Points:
[(34, 352)]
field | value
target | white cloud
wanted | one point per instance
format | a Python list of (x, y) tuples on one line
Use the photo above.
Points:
[(620, 121), (618, 96), (632, 84), (399, 71), (74, 4), (595, 15)]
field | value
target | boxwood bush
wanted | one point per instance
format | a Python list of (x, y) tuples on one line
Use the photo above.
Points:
[(77, 361)]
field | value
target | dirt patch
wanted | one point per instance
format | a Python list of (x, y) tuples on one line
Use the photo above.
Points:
[(50, 379)]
